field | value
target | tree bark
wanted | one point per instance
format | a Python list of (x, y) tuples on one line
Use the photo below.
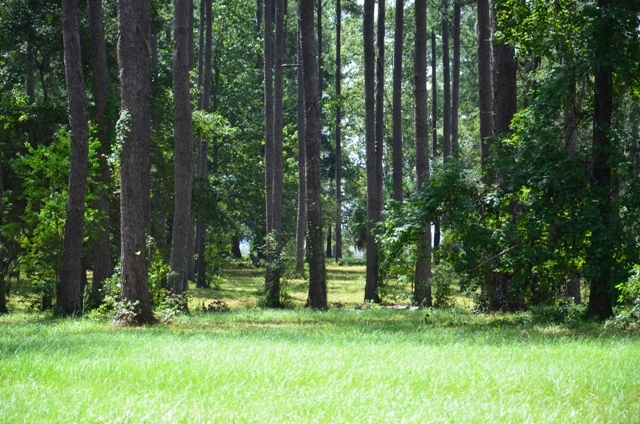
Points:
[(379, 108), (183, 161), (320, 59), (69, 293), (273, 271), (3, 265), (371, 284), (446, 84), (203, 152), (600, 259), (329, 252), (422, 288), (505, 99), (102, 260), (301, 215), (505, 92), (571, 135), (434, 127), (455, 79), (133, 56), (484, 79), (397, 102), (338, 175), (317, 272)]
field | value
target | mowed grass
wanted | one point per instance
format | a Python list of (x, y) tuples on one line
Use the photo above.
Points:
[(343, 365)]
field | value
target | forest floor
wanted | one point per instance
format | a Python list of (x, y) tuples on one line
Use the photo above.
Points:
[(347, 364)]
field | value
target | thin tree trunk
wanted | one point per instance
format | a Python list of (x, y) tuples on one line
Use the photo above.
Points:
[(269, 149), (371, 284), (484, 79), (379, 108), (434, 127), (259, 11), (193, 239), (397, 102), (455, 79), (329, 252), (422, 288), (183, 179), (69, 293), (102, 260), (338, 175), (446, 83), (203, 153), (301, 215), (133, 55), (3, 265), (600, 259), (320, 58), (272, 274), (268, 47), (571, 135), (317, 272)]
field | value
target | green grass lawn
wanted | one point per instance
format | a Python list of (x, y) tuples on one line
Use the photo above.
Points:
[(344, 365)]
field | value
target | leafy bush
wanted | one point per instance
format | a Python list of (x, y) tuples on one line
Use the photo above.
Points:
[(630, 290), (627, 319), (441, 280)]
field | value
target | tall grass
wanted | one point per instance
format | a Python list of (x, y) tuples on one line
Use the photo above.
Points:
[(343, 365)]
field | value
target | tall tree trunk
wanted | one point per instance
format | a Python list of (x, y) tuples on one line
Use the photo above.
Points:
[(203, 152), (379, 108), (505, 104), (338, 175), (193, 239), (434, 127), (69, 293), (505, 94), (133, 56), (269, 151), (485, 97), (320, 58), (268, 47), (190, 35), (371, 284), (201, 30), (484, 79), (102, 260), (259, 11), (397, 102), (317, 272), (422, 288), (328, 252), (301, 215), (571, 135), (446, 84), (272, 274), (455, 79), (3, 265), (600, 259), (183, 160)]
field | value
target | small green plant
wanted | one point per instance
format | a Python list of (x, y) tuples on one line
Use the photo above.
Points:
[(171, 306), (627, 319), (630, 289), (442, 277)]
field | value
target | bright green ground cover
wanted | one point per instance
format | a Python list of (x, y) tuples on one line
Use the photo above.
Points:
[(342, 365)]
